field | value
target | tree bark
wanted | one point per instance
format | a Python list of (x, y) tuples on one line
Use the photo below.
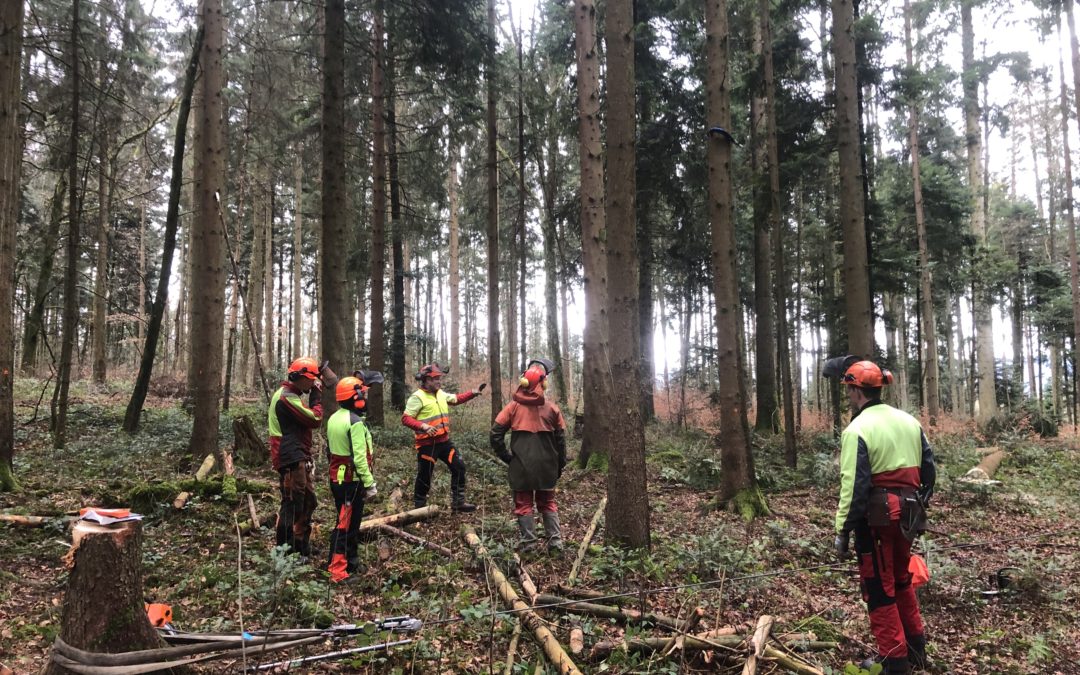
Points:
[(297, 256), (1074, 262), (858, 303), (454, 155), (378, 216), (101, 267), (334, 307), (627, 514), (549, 173), (71, 290), (11, 40), (494, 359), (399, 391), (734, 437), (208, 236), (926, 289), (43, 287), (981, 302), (103, 603), (595, 438), (172, 216)]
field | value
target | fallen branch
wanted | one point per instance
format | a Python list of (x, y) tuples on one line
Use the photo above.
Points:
[(251, 509), (264, 521), (624, 615), (413, 539), (403, 518), (527, 584), (585, 541), (589, 594), (691, 623), (33, 521), (526, 616), (511, 652), (603, 649)]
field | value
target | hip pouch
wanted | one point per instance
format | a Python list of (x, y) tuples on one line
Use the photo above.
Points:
[(877, 509)]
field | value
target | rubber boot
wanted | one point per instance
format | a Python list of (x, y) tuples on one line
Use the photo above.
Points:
[(553, 532), (527, 529)]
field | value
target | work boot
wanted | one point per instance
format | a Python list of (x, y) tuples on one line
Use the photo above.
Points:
[(916, 653), (553, 532), (353, 565), (462, 507), (892, 665), (419, 502), (527, 528)]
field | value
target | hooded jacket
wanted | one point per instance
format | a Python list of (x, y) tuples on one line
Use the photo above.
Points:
[(537, 440)]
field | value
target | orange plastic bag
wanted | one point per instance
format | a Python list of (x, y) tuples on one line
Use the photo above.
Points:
[(920, 573)]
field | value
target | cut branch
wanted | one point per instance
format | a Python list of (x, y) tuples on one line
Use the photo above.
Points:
[(625, 615), (403, 518), (413, 539), (585, 541)]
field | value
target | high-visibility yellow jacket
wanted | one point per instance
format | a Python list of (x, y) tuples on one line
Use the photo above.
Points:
[(885, 448), (433, 409), (349, 443)]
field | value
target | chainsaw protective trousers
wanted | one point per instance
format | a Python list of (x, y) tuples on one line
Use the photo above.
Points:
[(884, 554)]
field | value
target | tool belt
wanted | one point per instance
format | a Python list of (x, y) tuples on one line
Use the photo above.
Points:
[(912, 510)]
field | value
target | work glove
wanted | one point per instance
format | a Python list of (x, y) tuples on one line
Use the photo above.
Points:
[(480, 389), (429, 430), (840, 546), (505, 456), (371, 492)]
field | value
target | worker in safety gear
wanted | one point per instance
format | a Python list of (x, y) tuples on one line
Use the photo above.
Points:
[(349, 450), (537, 454), (291, 422), (887, 476), (427, 413)]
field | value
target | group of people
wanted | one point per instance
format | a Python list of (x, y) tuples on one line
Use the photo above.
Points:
[(887, 474), (536, 456)]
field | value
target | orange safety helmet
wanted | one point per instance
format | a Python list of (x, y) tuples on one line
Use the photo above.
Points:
[(867, 375), (536, 373), (305, 366), (430, 370), (349, 389)]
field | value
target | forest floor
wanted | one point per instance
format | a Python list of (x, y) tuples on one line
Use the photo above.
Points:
[(190, 556)]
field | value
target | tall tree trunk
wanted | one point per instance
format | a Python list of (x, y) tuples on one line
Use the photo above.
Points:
[(378, 215), (208, 296), (297, 257), (71, 290), (399, 391), (334, 307), (1074, 266), (981, 301), (739, 486), (548, 169), (256, 285), (43, 287), (627, 512), (268, 277), (593, 255), (454, 155), (779, 234), (101, 271), (172, 217), (768, 420), (11, 145), (860, 316), (522, 251), (494, 359), (926, 290), (567, 365)]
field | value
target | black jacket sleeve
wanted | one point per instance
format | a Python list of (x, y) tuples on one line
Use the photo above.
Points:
[(928, 470), (498, 442)]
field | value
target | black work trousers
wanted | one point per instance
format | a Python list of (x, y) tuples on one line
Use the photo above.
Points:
[(426, 456)]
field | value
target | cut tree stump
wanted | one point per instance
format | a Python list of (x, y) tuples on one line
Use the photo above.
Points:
[(248, 446), (103, 608)]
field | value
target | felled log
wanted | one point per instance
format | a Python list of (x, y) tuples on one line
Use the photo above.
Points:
[(251, 509), (103, 608), (32, 521), (413, 539), (624, 615), (585, 541), (577, 640), (201, 474), (986, 468), (528, 618), (264, 521), (603, 649), (403, 518), (758, 643), (591, 595)]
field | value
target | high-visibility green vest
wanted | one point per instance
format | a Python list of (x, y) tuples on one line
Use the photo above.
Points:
[(349, 442)]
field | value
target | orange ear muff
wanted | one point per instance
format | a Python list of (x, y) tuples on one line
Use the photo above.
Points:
[(886, 376)]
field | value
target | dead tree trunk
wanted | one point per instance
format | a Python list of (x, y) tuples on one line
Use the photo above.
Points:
[(103, 604)]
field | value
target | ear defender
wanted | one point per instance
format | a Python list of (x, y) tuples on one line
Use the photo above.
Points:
[(886, 376)]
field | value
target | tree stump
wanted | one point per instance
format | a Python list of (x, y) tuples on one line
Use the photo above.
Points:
[(103, 607), (249, 448)]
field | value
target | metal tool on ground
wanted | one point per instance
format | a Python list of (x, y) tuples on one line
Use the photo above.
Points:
[(329, 656)]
